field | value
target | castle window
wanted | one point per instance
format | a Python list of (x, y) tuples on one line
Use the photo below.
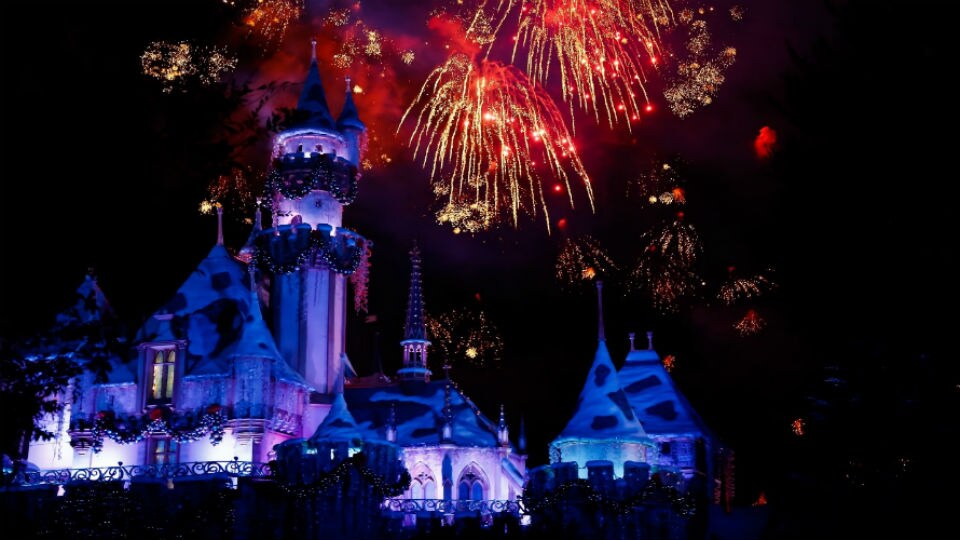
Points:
[(163, 451), (471, 485), (162, 376), (665, 448), (423, 485)]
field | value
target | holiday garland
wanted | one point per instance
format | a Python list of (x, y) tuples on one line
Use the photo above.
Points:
[(583, 492), (160, 420), (342, 253), (337, 177), (360, 278), (339, 476)]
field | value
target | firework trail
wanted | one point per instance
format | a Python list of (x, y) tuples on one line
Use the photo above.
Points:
[(489, 135)]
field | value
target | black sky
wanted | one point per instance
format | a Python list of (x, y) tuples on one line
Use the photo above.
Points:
[(104, 170)]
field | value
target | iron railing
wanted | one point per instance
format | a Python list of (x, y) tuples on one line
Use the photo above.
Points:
[(122, 472), (441, 506)]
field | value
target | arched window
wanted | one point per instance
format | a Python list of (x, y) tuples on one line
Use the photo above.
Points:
[(472, 485), (163, 369), (423, 485)]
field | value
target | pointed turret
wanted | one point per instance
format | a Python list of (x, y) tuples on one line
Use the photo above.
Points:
[(312, 105), (392, 424), (446, 431), (339, 424), (415, 341), (249, 248), (349, 116), (654, 396), (604, 425), (503, 434)]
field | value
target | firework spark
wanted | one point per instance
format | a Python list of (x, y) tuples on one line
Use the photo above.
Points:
[(600, 48), (175, 64), (751, 324), (269, 19), (659, 185), (582, 260), (465, 335), (741, 288), (469, 217), (797, 426), (664, 271), (669, 362), (489, 133), (701, 73)]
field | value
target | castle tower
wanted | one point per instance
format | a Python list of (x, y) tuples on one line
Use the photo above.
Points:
[(415, 341), (307, 251)]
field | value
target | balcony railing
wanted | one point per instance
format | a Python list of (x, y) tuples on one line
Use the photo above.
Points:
[(441, 506), (122, 472)]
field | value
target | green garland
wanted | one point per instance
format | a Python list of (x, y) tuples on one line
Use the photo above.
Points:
[(179, 427), (583, 491), (338, 177), (337, 476), (334, 251)]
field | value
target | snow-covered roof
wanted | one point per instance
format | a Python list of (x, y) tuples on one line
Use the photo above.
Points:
[(654, 396), (419, 414), (603, 412), (216, 313), (91, 306), (338, 425)]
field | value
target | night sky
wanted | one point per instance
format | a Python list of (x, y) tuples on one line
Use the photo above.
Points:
[(851, 210)]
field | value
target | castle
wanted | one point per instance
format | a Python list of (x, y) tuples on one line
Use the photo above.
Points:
[(246, 365), (212, 381)]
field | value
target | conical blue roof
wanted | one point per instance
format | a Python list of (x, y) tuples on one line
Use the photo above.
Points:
[(349, 116), (655, 398), (339, 424), (603, 411), (313, 102)]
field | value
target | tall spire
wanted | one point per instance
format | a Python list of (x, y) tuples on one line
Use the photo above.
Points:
[(313, 100), (446, 431), (247, 251), (414, 327), (601, 335), (219, 224), (503, 434), (415, 341)]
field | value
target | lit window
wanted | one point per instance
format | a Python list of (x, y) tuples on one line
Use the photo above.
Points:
[(164, 451), (163, 369)]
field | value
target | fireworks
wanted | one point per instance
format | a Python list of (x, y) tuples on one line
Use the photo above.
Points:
[(669, 361), (751, 324), (797, 426), (678, 241), (465, 336), (699, 75), (269, 19), (582, 260), (174, 64), (738, 288), (489, 134), (469, 217), (600, 48), (659, 185), (664, 271)]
